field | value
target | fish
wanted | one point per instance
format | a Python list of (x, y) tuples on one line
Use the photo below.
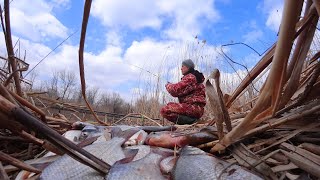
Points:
[(91, 131), (106, 136), (78, 125), (108, 151), (137, 139), (145, 168), (167, 164), (166, 139), (143, 151), (149, 129), (73, 135), (194, 164)]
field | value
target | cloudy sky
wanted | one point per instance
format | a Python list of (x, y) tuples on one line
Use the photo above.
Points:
[(127, 38)]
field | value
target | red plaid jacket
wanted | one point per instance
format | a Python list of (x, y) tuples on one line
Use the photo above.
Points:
[(188, 90)]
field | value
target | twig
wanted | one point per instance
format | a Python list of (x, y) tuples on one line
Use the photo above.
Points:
[(150, 119), (45, 107), (2, 24), (10, 48), (53, 136), (3, 174), (76, 116), (225, 114), (303, 96), (6, 83), (6, 158), (29, 105), (86, 13)]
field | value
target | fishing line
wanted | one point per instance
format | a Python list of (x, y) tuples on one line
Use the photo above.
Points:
[(148, 71), (51, 52), (142, 69)]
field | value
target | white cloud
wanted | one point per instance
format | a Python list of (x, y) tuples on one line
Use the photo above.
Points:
[(185, 18), (34, 20), (274, 9), (253, 31), (252, 36), (134, 14), (189, 17), (61, 3), (114, 38), (147, 53), (274, 19)]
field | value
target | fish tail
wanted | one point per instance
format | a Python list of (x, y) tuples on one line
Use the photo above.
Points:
[(117, 132), (129, 156)]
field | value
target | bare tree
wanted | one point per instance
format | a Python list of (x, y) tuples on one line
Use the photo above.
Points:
[(52, 85), (104, 102), (113, 103), (77, 95), (68, 81), (33, 76), (92, 94), (116, 102)]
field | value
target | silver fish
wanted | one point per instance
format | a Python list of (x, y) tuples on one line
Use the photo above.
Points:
[(167, 164), (109, 151), (145, 168), (91, 131), (195, 164), (143, 151)]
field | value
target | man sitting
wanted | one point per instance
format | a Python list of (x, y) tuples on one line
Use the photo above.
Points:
[(191, 95)]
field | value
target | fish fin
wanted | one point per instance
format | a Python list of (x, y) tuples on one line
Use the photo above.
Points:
[(129, 156), (162, 151), (139, 138), (117, 132), (87, 141)]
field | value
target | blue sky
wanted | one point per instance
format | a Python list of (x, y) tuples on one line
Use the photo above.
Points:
[(154, 35)]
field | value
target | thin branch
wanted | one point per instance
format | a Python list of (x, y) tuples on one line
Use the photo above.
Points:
[(6, 83), (86, 13), (11, 58)]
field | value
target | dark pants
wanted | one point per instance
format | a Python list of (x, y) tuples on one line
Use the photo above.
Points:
[(172, 110)]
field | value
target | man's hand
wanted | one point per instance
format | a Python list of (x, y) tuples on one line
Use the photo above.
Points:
[(168, 83)]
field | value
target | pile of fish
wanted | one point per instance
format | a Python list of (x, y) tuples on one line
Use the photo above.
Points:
[(145, 152)]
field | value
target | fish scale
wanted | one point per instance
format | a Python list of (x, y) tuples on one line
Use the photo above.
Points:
[(68, 168), (145, 168), (195, 164), (143, 151)]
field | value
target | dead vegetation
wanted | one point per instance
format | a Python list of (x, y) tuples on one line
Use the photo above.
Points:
[(274, 132)]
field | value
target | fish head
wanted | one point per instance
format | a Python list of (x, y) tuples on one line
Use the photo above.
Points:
[(89, 131)]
